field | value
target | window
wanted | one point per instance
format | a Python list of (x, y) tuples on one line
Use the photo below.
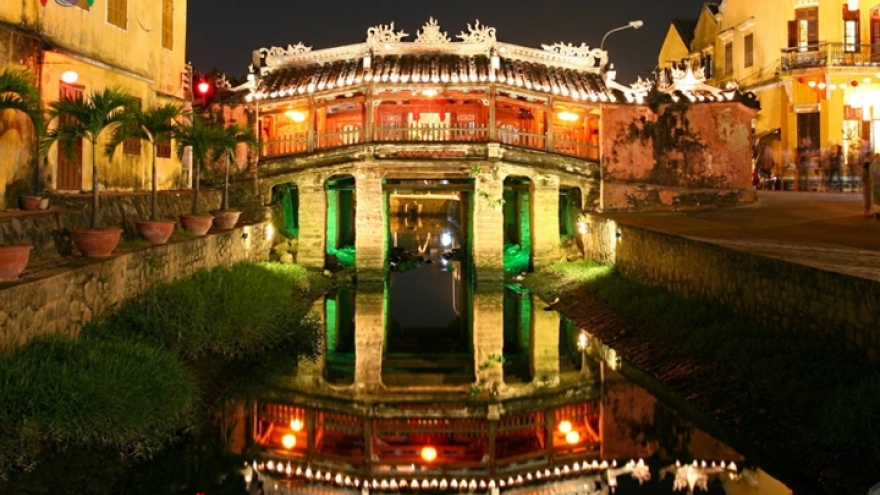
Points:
[(168, 24), (132, 146), (83, 4), (163, 149), (117, 13), (803, 32), (850, 29), (749, 50), (728, 59)]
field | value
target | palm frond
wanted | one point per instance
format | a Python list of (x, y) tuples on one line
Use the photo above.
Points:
[(18, 93)]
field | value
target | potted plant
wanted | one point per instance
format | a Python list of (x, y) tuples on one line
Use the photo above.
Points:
[(201, 138), (226, 149), (155, 126), (86, 118), (18, 94)]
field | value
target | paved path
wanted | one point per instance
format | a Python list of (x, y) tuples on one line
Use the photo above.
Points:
[(823, 230)]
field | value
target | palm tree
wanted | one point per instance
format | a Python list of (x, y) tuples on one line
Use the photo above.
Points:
[(17, 93), (86, 118), (155, 126), (203, 138), (226, 148)]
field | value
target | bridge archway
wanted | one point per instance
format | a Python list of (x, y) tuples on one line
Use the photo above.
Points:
[(341, 216), (518, 224)]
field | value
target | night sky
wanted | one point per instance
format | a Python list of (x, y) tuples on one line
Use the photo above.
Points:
[(222, 34)]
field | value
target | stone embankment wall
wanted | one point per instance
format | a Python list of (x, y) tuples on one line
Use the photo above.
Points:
[(776, 293), (63, 299)]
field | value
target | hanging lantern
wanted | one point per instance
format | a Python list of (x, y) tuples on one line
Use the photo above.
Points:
[(43, 2), (852, 5), (854, 83)]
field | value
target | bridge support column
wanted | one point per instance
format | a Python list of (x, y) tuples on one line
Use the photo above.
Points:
[(488, 226), (312, 225), (311, 373), (488, 325), (545, 346), (545, 221), (370, 224), (369, 340)]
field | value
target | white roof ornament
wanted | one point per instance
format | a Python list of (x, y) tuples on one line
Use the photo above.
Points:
[(690, 82), (278, 56), (431, 33), (385, 34), (478, 34), (570, 50)]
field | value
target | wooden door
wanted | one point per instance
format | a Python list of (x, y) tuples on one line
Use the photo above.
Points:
[(69, 177)]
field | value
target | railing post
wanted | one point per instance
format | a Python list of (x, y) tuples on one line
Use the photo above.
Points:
[(493, 126), (368, 119), (310, 138), (548, 126)]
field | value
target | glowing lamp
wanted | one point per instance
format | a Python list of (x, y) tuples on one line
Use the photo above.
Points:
[(811, 83), (430, 93), (429, 454), (866, 80), (852, 5), (288, 441), (203, 87), (821, 85), (296, 424), (296, 115), (572, 437), (567, 116), (69, 77), (565, 426)]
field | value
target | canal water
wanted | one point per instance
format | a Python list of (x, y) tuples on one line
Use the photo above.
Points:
[(430, 383)]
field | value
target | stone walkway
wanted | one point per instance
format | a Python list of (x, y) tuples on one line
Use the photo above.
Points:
[(822, 230)]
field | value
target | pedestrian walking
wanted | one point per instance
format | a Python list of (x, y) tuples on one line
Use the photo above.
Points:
[(803, 153), (867, 184), (836, 169)]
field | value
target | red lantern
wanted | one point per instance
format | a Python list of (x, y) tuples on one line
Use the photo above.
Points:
[(801, 80), (853, 83)]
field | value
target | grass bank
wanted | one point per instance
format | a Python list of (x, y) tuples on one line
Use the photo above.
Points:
[(83, 413), (817, 401)]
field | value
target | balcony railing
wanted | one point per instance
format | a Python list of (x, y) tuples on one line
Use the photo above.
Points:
[(566, 143), (829, 54)]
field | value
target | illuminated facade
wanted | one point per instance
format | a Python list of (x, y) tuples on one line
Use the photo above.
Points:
[(76, 49), (813, 65)]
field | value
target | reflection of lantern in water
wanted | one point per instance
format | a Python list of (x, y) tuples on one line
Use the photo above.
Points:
[(429, 454), (289, 441), (296, 424), (572, 437), (565, 426)]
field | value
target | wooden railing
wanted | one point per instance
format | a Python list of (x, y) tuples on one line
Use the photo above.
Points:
[(830, 54), (301, 143)]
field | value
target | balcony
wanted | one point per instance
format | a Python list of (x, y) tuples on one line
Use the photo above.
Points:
[(565, 141), (828, 54)]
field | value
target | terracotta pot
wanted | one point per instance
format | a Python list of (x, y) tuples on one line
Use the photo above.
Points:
[(196, 224), (32, 203), (155, 231), (225, 219), (13, 259), (96, 243)]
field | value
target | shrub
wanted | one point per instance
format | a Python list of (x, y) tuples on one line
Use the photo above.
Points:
[(58, 393), (237, 312)]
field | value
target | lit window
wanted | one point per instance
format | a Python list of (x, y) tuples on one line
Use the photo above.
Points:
[(804, 30), (168, 24), (850, 29), (117, 13), (749, 50)]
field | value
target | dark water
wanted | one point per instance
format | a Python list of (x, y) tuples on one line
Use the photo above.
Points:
[(435, 382)]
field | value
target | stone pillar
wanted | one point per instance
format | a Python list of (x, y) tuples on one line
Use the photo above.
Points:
[(544, 357), (312, 224), (488, 226), (311, 373), (488, 329), (545, 221), (369, 335), (370, 223)]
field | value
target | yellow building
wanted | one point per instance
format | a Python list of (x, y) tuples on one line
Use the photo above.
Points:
[(76, 49), (813, 64)]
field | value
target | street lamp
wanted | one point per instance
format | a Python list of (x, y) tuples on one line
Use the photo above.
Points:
[(631, 24)]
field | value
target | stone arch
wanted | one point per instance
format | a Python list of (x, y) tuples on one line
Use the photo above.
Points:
[(518, 201), (341, 214)]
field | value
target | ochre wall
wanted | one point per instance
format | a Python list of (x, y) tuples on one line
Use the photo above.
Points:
[(682, 157)]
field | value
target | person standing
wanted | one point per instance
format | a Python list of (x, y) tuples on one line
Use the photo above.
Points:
[(836, 168), (802, 155), (867, 186)]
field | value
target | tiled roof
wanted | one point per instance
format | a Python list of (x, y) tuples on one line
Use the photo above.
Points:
[(439, 69)]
